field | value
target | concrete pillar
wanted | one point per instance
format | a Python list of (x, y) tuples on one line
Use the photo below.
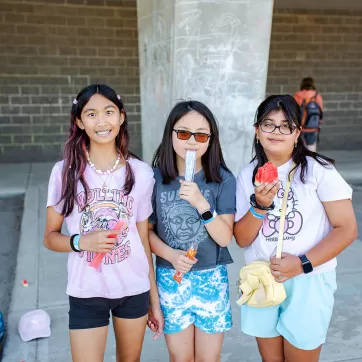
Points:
[(214, 51)]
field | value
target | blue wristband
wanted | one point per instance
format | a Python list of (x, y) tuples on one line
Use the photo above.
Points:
[(76, 242), (256, 214)]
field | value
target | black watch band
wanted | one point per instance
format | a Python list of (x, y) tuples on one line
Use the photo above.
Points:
[(72, 243), (306, 264), (255, 205)]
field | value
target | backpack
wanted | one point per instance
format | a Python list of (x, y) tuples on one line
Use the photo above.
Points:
[(311, 112)]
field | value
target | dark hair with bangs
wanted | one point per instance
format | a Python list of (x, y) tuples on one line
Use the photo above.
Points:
[(290, 107), (165, 156), (74, 153)]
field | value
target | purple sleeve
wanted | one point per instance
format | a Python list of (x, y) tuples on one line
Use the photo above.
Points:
[(144, 209), (55, 189)]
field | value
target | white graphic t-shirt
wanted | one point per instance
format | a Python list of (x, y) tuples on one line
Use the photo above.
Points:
[(124, 270), (306, 222)]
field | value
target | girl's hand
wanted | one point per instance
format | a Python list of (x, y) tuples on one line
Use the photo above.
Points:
[(99, 241), (289, 266), (190, 192), (155, 321), (265, 193), (181, 262)]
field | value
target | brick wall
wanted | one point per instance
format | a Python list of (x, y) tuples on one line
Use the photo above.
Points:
[(326, 45), (51, 49)]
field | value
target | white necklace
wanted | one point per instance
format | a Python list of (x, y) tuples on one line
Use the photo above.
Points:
[(108, 173), (105, 172)]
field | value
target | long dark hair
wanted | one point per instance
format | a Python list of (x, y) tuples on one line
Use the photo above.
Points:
[(290, 107), (165, 156), (74, 153)]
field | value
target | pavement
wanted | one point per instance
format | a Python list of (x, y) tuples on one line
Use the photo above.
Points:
[(46, 274)]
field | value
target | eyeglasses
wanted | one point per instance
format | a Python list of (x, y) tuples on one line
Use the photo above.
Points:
[(199, 136), (269, 127)]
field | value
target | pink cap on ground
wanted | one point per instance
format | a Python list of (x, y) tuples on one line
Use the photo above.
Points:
[(34, 324)]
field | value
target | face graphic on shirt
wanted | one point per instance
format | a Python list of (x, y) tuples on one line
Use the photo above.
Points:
[(182, 224)]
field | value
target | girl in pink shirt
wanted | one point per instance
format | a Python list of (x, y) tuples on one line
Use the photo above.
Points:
[(96, 184)]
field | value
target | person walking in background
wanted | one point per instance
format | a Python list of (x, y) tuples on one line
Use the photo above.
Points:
[(311, 106)]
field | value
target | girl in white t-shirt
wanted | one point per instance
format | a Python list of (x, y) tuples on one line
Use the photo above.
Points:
[(96, 184), (320, 224)]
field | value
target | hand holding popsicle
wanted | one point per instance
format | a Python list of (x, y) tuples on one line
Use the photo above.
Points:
[(112, 234), (99, 241), (191, 253), (181, 262)]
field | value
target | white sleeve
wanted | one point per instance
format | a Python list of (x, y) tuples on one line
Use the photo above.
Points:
[(330, 184), (242, 200)]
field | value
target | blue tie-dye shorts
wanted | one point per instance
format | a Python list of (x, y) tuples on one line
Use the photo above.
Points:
[(202, 298)]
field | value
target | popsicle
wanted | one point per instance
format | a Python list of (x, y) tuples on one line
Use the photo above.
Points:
[(190, 161), (96, 262)]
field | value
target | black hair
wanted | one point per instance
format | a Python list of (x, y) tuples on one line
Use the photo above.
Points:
[(290, 107), (165, 156)]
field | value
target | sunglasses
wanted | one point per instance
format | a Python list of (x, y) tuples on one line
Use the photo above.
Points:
[(199, 136)]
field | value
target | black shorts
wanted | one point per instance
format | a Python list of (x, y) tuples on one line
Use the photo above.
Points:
[(87, 313)]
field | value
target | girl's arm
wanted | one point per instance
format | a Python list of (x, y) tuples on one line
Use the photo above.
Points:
[(176, 257), (247, 228), (157, 317), (344, 232), (221, 228), (96, 241), (341, 215), (53, 238)]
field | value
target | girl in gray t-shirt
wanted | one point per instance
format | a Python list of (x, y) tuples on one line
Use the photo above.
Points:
[(202, 212)]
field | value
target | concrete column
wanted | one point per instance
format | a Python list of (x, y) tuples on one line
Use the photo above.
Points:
[(214, 51)]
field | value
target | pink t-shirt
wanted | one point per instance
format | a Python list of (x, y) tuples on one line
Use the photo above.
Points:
[(124, 271)]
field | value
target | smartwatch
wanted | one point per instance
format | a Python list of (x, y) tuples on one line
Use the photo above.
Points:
[(255, 205), (306, 264), (208, 216)]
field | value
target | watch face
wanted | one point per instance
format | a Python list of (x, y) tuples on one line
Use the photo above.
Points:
[(207, 215), (307, 267)]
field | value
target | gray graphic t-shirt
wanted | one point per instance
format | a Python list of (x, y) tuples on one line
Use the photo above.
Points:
[(178, 223)]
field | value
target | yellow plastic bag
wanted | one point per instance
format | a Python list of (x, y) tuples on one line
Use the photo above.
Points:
[(258, 286)]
